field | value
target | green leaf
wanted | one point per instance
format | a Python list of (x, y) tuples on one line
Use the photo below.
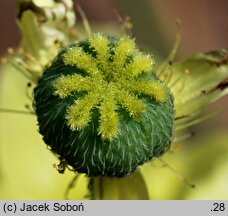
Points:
[(198, 81), (132, 187), (26, 165), (202, 161)]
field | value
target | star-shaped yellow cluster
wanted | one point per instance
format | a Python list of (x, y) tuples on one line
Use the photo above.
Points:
[(113, 80)]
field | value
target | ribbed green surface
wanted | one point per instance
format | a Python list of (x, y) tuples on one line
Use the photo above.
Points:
[(85, 150)]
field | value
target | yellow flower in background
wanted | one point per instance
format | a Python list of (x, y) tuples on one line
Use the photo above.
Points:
[(26, 170)]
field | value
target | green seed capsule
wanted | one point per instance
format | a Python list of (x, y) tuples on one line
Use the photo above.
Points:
[(101, 109)]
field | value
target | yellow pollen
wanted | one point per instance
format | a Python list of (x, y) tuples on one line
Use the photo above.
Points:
[(113, 78)]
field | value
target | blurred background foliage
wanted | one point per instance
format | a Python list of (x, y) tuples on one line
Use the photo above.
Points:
[(203, 159)]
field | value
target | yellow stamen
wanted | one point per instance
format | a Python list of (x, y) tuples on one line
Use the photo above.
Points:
[(100, 44), (124, 48), (65, 85), (109, 120), (79, 114), (140, 63), (148, 87), (133, 105), (75, 56)]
